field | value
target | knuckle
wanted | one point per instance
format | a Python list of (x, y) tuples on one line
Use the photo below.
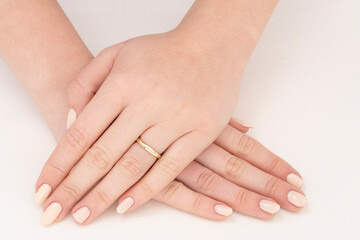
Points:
[(206, 181), (235, 167), (244, 144), (129, 167), (169, 166), (103, 197), (71, 189), (146, 190), (56, 165), (241, 198), (272, 185), (198, 202), (173, 190), (75, 138), (98, 157), (274, 164)]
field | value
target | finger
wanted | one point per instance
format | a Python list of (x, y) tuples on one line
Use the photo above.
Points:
[(177, 195), (240, 125), (98, 160), (83, 88), (172, 162), (255, 153), (207, 182), (90, 124), (246, 175), (126, 172)]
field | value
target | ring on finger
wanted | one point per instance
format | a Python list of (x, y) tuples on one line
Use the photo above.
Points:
[(148, 148)]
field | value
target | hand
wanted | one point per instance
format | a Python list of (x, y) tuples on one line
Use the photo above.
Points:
[(160, 113), (227, 171), (219, 178)]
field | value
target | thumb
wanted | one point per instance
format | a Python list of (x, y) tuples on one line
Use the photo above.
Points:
[(84, 87), (240, 125)]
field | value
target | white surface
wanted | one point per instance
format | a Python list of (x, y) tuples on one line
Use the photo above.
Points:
[(301, 91)]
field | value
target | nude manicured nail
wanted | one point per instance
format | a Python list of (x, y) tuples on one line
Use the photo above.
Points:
[(81, 214), (71, 118), (245, 124), (295, 180), (51, 213), (42, 194), (223, 210), (296, 199), (125, 205), (269, 206)]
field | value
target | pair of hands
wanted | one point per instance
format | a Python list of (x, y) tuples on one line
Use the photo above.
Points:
[(178, 97)]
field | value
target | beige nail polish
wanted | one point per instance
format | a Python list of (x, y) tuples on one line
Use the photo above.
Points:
[(71, 118), (125, 205), (42, 194), (245, 124), (81, 214), (51, 213), (296, 199), (269, 206), (223, 210), (295, 180)]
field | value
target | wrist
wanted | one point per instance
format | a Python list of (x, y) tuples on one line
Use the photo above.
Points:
[(232, 26), (44, 52), (52, 98)]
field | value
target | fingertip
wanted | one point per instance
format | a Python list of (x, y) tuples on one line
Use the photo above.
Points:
[(42, 193), (51, 213), (295, 180), (269, 206), (236, 125), (223, 210), (297, 199), (70, 118), (243, 123), (81, 215), (125, 205)]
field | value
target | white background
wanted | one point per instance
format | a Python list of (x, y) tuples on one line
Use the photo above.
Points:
[(301, 91)]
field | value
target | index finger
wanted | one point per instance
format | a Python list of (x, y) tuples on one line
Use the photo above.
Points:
[(90, 124)]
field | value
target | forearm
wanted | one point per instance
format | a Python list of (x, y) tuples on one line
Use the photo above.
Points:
[(43, 50)]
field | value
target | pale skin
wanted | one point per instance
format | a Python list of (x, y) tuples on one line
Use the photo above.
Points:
[(171, 90)]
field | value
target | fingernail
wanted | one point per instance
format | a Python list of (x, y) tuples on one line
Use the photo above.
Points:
[(295, 180), (245, 124), (42, 194), (51, 213), (71, 118), (269, 206), (296, 199), (223, 210), (81, 214), (125, 205)]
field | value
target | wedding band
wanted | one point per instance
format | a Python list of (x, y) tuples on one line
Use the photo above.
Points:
[(148, 148)]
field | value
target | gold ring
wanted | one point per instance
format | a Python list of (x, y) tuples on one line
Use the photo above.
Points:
[(148, 148)]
